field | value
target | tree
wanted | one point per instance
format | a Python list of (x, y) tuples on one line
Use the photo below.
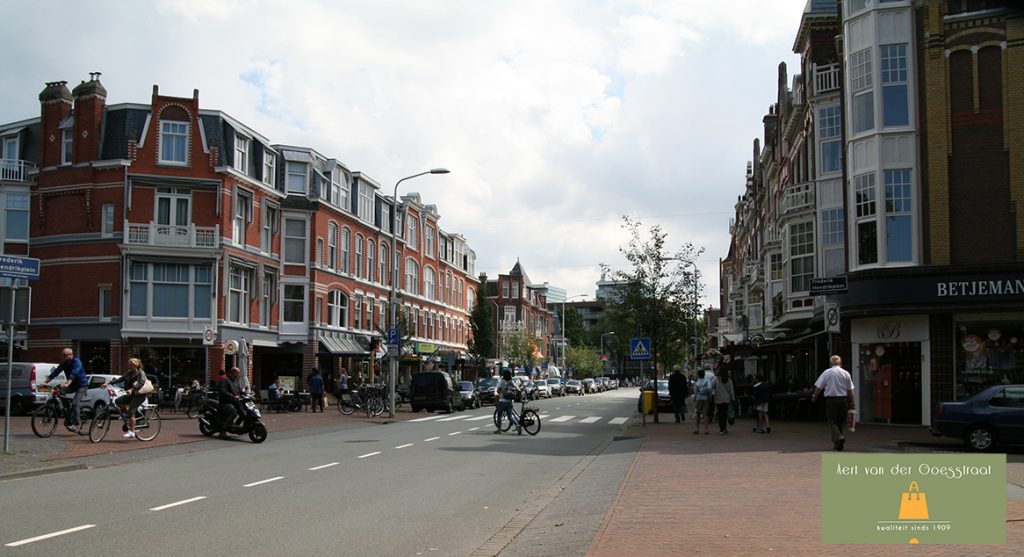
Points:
[(518, 347), (481, 322), (585, 361), (656, 296), (575, 332)]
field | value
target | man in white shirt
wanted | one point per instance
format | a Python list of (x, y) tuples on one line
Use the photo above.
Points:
[(837, 386)]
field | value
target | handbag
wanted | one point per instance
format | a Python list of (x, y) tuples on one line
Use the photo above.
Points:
[(146, 388)]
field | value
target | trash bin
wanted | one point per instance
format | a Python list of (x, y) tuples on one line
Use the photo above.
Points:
[(648, 401)]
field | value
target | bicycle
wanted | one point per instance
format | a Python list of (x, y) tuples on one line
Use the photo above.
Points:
[(147, 422), (369, 399), (528, 418), (44, 420)]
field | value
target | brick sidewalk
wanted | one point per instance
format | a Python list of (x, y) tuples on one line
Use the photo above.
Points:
[(750, 494), (29, 452)]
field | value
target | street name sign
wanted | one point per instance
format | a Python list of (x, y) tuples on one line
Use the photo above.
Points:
[(16, 267), (830, 285)]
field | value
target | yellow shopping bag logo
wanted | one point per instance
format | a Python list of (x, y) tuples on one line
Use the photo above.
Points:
[(913, 504)]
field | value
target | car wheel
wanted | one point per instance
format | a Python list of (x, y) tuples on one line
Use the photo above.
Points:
[(17, 406), (980, 438)]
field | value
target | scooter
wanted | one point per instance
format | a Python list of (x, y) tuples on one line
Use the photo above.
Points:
[(251, 423)]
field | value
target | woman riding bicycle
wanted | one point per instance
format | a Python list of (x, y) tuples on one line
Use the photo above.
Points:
[(130, 401)]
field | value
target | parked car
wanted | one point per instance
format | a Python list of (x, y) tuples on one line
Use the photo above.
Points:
[(530, 390), (98, 396), (27, 385), (588, 385), (434, 390), (664, 400), (573, 387), (543, 391), (470, 396), (488, 390), (613, 383), (555, 386), (992, 416)]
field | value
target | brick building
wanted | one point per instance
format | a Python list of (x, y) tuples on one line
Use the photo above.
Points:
[(920, 215), (155, 222), (520, 306)]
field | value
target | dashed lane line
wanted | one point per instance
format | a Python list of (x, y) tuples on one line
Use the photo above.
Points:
[(404, 446), (51, 535), (454, 433), (431, 439), (474, 428), (367, 455), (175, 504), (266, 481), (322, 466)]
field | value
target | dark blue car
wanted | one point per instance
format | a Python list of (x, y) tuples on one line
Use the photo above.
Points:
[(993, 416)]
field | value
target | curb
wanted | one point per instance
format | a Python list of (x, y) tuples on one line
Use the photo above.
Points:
[(42, 471)]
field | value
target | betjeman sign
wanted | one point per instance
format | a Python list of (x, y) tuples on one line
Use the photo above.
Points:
[(922, 288), (913, 498), (959, 288)]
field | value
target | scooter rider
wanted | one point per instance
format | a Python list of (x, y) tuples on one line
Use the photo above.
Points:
[(230, 394)]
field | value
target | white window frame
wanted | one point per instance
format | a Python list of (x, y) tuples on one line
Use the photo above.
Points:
[(371, 259), (67, 141), (271, 222), (291, 171), (360, 254), (243, 145), (174, 197), (286, 301), (366, 203), (428, 241), (429, 283), (411, 276), (898, 206), (346, 251), (865, 191), (16, 202), (107, 220), (288, 256), (382, 261), (337, 309), (412, 236), (174, 130), (802, 256), (238, 293), (106, 303), (268, 295), (269, 168), (241, 216)]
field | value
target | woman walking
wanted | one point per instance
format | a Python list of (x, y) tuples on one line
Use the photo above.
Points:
[(724, 395)]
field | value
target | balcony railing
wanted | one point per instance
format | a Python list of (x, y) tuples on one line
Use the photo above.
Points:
[(798, 197), (752, 270), (190, 236), (772, 236), (12, 170), (826, 78)]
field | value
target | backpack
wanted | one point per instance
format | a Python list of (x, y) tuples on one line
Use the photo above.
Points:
[(509, 391), (704, 386)]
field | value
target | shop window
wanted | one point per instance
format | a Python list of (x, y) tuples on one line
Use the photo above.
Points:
[(988, 352), (890, 383)]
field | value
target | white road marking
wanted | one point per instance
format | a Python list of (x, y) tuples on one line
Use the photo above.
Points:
[(452, 418), (474, 428), (477, 418), (590, 420), (428, 418), (374, 453), (562, 419), (185, 502), (431, 439), (618, 420), (51, 535), (454, 433), (264, 481), (322, 466)]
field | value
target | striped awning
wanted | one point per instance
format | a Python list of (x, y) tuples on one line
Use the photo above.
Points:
[(336, 342)]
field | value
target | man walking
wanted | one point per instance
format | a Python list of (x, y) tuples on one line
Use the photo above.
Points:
[(677, 391), (837, 386), (316, 390)]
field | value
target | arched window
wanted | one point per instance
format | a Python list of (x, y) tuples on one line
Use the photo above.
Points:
[(412, 272), (360, 263), (337, 309), (429, 289), (346, 250), (332, 245), (371, 250)]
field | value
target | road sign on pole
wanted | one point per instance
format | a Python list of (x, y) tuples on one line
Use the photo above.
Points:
[(832, 317), (393, 338), (14, 267), (830, 285), (640, 348)]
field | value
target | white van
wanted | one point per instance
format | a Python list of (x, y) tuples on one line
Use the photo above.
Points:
[(28, 388)]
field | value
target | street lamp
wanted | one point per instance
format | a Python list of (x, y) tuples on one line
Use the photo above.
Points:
[(564, 342), (394, 287)]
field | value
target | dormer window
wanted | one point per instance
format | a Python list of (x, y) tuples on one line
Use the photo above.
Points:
[(269, 168), (242, 147), (365, 203), (297, 177), (339, 189), (173, 142), (66, 143)]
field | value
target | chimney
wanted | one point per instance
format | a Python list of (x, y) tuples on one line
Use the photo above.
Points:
[(54, 108), (90, 104)]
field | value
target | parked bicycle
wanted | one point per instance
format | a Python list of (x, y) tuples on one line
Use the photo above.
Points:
[(528, 418), (194, 402), (147, 422), (369, 399), (57, 408)]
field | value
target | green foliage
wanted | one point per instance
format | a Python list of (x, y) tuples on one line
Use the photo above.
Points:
[(584, 361), (481, 321), (575, 332), (518, 348)]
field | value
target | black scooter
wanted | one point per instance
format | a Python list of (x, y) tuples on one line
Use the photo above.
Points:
[(210, 421)]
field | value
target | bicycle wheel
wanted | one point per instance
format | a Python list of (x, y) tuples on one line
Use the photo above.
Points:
[(376, 406), (531, 422), (99, 426), (44, 421), (501, 425), (194, 409), (149, 427), (346, 407)]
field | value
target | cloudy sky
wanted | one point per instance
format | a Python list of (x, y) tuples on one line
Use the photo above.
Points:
[(555, 117)]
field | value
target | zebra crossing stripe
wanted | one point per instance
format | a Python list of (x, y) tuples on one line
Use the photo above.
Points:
[(617, 421), (590, 420), (425, 419), (477, 418), (452, 418), (562, 419)]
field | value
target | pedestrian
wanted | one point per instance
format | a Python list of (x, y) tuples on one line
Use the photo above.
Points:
[(724, 397), (507, 391), (837, 386), (703, 391), (316, 390), (342, 382), (678, 391), (76, 382), (762, 396)]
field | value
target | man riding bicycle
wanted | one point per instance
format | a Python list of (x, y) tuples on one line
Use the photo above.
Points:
[(77, 382), (508, 391)]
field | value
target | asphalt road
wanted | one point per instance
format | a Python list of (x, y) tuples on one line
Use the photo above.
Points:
[(442, 485)]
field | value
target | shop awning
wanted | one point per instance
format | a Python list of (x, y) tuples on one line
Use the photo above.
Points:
[(334, 342)]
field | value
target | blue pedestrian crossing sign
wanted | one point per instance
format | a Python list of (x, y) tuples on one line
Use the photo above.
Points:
[(640, 348)]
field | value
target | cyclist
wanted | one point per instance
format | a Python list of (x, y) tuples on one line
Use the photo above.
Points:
[(508, 391), (77, 382), (130, 401)]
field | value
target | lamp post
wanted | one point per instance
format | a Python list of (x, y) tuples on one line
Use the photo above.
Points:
[(393, 375), (564, 342)]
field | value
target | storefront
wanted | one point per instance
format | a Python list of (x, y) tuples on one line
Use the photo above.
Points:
[(891, 369)]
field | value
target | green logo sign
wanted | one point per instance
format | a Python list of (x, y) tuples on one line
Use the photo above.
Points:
[(912, 499)]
